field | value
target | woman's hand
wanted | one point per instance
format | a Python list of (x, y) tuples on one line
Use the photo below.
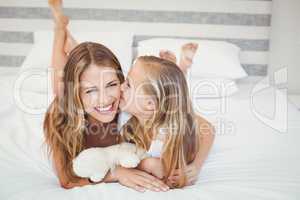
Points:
[(191, 172), (139, 180), (153, 166)]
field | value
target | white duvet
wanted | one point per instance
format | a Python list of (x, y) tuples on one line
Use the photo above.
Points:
[(253, 162)]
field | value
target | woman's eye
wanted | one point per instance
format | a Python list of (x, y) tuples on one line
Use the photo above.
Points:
[(89, 91)]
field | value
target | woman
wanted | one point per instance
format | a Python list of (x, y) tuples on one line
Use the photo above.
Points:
[(84, 113)]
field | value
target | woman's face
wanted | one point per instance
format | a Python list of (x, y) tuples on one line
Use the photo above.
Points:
[(100, 92), (133, 99)]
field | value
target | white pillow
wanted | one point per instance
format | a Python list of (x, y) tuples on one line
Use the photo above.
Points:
[(215, 59), (211, 87), (36, 67)]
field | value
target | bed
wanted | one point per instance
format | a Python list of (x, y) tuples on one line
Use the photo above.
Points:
[(257, 157), (255, 161)]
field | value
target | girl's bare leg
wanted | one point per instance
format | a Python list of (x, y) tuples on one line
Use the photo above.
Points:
[(188, 51), (168, 55)]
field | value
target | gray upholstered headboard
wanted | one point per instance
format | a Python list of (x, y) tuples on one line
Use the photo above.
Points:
[(245, 23)]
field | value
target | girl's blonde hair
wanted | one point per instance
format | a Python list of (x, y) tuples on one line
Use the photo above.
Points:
[(64, 123), (174, 116)]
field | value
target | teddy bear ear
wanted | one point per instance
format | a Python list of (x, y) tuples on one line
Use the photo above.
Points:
[(97, 177)]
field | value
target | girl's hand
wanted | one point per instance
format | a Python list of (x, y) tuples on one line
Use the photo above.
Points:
[(139, 180), (153, 166), (191, 172)]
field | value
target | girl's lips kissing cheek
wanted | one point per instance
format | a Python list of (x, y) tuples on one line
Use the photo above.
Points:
[(122, 101), (122, 98)]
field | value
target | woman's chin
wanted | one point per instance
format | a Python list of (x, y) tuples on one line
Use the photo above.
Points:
[(104, 118)]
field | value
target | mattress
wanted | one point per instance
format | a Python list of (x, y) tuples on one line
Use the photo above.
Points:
[(252, 159)]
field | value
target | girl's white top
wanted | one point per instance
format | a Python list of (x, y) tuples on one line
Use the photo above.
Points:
[(155, 148), (156, 144)]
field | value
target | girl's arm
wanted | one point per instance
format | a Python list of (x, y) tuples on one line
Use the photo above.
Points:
[(152, 166), (206, 139)]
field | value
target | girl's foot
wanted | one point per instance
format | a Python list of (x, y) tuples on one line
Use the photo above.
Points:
[(168, 55), (187, 54)]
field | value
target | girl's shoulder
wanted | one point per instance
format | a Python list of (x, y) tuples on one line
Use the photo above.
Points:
[(203, 125), (200, 119), (123, 118)]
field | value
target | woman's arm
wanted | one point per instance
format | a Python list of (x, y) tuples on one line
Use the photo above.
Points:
[(132, 178), (66, 183), (109, 178), (139, 180)]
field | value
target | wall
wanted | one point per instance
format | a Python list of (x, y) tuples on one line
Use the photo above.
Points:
[(285, 41), (242, 22)]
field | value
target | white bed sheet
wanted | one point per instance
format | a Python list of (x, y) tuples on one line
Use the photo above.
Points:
[(256, 162)]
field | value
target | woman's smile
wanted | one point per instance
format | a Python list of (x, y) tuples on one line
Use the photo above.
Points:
[(107, 109)]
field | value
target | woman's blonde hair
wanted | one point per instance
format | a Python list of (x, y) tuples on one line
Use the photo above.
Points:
[(64, 123), (174, 116)]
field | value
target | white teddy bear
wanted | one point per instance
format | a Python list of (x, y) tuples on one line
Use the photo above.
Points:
[(94, 163)]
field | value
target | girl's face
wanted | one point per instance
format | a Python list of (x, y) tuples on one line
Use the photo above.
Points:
[(100, 92), (134, 100)]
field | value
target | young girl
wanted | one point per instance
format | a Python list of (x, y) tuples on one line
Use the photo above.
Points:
[(87, 80), (164, 122)]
